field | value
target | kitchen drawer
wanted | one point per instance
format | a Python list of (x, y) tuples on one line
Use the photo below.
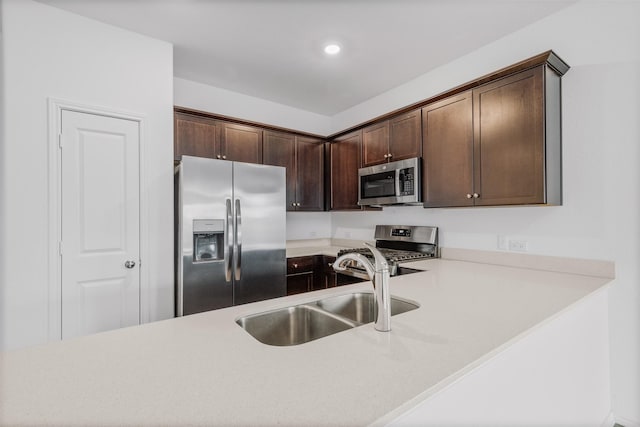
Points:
[(301, 264)]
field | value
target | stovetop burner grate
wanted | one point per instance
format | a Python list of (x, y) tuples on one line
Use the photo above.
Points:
[(391, 255)]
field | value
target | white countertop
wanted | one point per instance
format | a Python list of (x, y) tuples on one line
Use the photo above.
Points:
[(205, 370)]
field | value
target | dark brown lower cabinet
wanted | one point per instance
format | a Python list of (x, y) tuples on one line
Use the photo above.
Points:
[(310, 273), (300, 274), (299, 283), (327, 273)]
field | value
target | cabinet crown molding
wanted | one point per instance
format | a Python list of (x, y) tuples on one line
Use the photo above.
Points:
[(548, 58)]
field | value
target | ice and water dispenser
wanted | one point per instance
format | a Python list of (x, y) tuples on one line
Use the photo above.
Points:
[(208, 240)]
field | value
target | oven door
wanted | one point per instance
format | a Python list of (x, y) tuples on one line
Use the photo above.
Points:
[(377, 187)]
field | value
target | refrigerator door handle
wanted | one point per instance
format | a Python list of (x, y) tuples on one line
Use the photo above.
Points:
[(238, 249), (228, 241)]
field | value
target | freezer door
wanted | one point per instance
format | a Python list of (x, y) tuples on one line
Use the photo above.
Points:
[(204, 251), (259, 266)]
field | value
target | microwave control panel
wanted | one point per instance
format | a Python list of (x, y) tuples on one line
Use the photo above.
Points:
[(406, 177)]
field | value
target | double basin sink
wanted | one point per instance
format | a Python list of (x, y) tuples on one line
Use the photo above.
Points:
[(307, 322)]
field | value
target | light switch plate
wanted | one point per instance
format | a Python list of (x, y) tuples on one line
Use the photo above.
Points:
[(518, 245)]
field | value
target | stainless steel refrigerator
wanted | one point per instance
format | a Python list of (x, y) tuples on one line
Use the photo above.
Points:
[(230, 234)]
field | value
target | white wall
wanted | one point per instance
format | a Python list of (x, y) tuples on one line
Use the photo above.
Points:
[(3, 179), (51, 53), (308, 225), (220, 101), (601, 149)]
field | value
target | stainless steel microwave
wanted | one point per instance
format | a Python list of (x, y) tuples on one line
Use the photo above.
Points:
[(390, 183)]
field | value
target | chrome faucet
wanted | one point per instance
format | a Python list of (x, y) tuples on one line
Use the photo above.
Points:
[(379, 276)]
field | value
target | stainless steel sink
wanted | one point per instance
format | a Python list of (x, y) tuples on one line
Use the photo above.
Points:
[(293, 325), (307, 322), (361, 307)]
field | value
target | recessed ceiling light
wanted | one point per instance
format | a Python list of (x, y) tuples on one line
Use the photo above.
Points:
[(331, 49)]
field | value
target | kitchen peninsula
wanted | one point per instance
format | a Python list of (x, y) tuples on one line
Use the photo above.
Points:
[(204, 369)]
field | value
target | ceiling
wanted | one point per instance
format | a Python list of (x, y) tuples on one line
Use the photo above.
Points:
[(272, 49)]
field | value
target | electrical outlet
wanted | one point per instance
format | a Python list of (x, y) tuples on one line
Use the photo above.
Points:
[(518, 245), (503, 243)]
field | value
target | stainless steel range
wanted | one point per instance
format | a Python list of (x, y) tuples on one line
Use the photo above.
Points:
[(398, 244)]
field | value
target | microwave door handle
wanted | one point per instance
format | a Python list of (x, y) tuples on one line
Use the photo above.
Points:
[(399, 177)]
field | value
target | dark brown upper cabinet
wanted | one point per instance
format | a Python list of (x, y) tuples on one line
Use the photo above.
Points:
[(241, 143), (279, 149), (344, 159), (310, 182), (498, 144), (196, 136), (216, 139), (397, 138), (447, 164), (303, 157)]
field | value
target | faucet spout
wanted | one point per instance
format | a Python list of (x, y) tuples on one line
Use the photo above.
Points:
[(379, 276), (340, 264)]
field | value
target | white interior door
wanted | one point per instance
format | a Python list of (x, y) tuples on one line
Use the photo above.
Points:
[(100, 223)]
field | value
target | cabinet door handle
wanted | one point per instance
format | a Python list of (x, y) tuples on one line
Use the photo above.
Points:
[(469, 195), (386, 156), (389, 155), (476, 195), (218, 156), (224, 157), (295, 265)]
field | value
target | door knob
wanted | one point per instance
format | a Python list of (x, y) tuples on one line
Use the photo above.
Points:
[(130, 264)]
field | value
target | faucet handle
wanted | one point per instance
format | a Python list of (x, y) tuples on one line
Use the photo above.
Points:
[(381, 261)]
